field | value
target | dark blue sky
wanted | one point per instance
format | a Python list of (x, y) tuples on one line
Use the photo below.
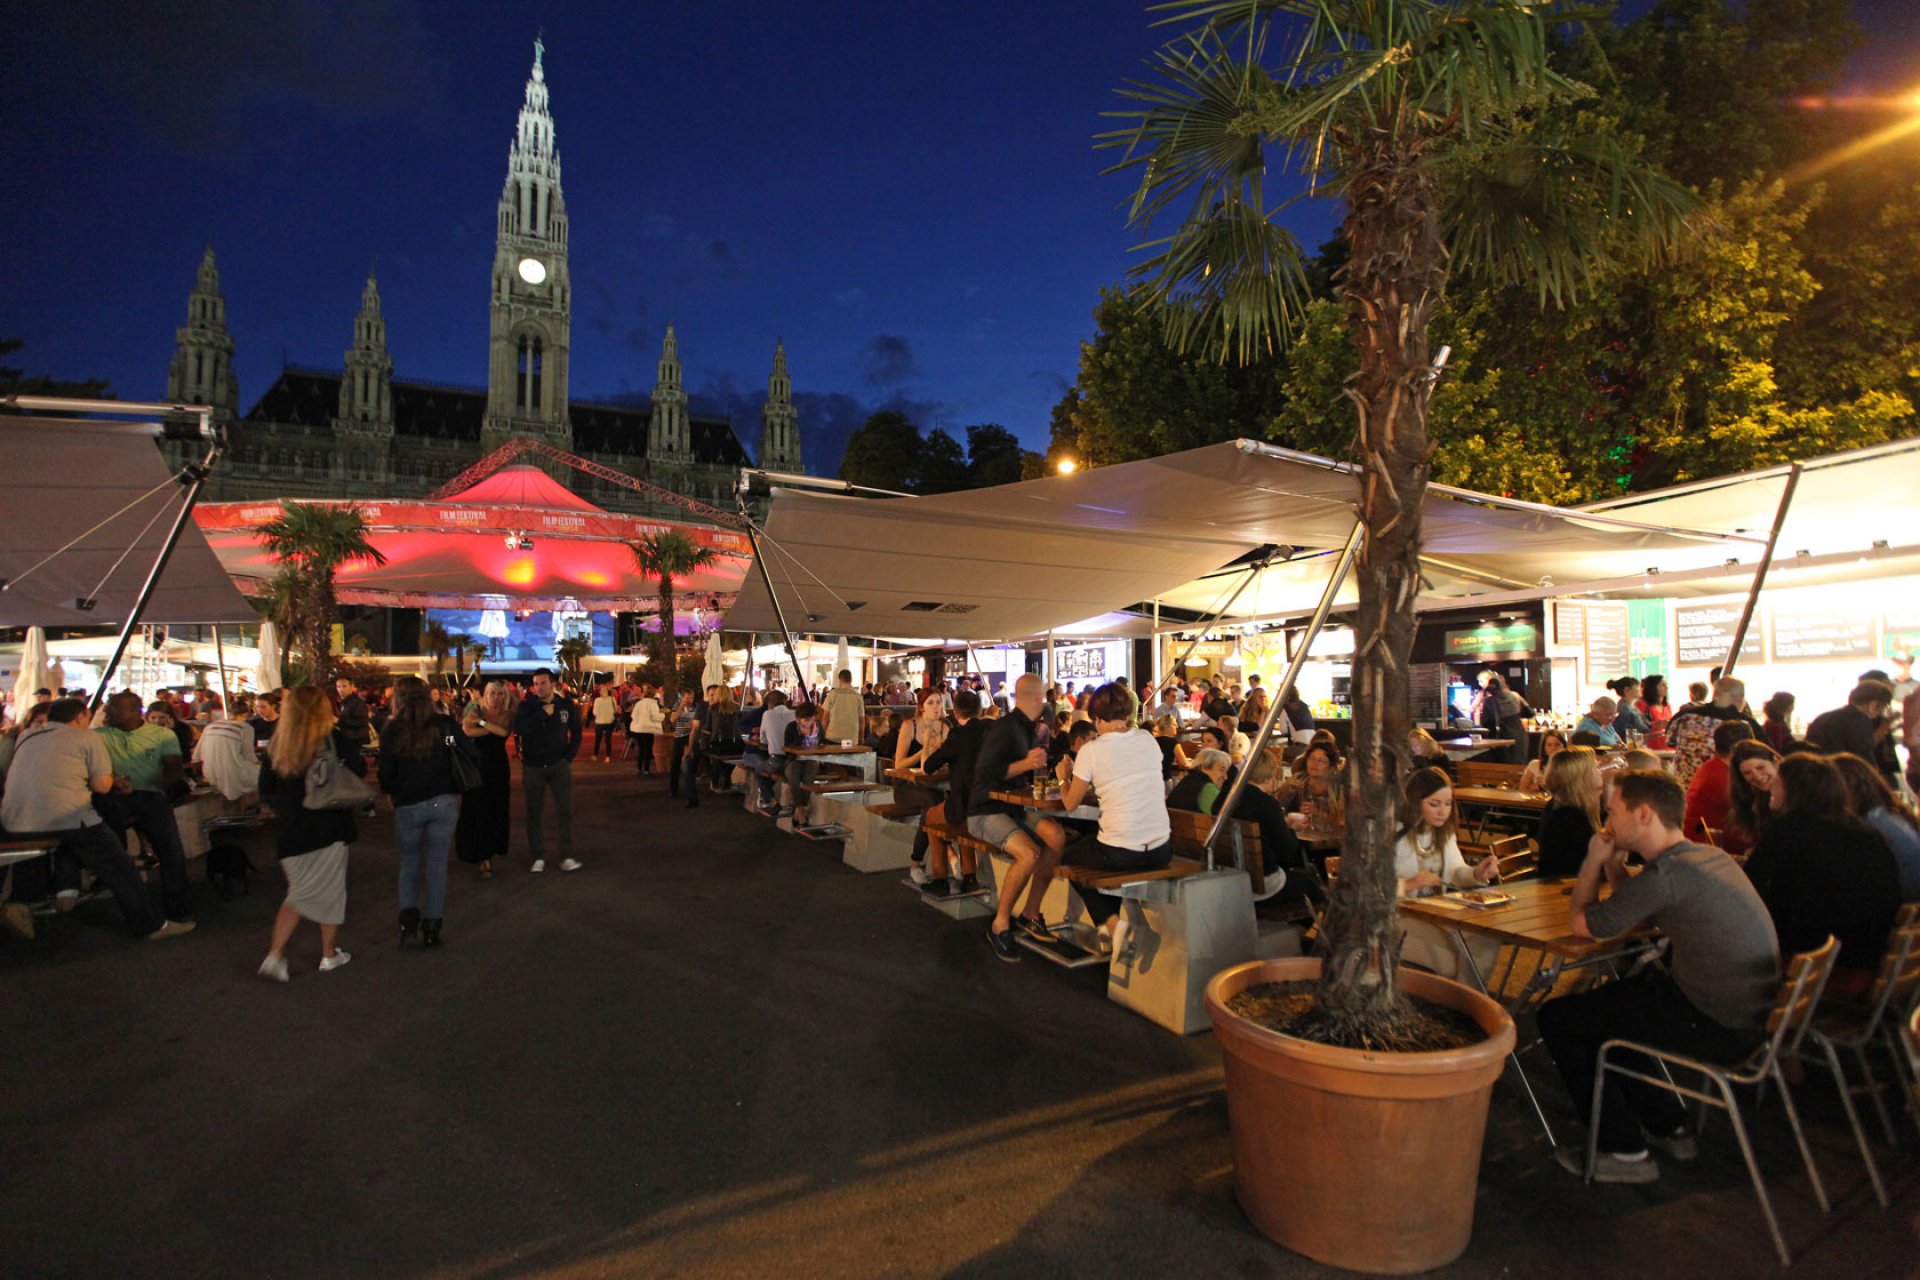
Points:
[(908, 193)]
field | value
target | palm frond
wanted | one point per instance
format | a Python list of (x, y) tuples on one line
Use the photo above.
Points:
[(1555, 206)]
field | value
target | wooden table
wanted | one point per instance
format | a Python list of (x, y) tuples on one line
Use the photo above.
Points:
[(862, 758), (1490, 800), (1051, 804), (1459, 749), (1538, 919), (937, 781)]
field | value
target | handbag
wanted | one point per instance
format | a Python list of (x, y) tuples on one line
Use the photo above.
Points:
[(466, 774), (331, 785)]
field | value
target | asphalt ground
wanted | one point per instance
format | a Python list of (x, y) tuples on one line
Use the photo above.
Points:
[(717, 1051)]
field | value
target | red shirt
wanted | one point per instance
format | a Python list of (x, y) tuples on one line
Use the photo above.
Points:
[(1710, 804)]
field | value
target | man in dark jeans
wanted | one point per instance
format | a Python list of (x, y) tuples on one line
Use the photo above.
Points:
[(146, 765), (58, 768), (548, 726), (1711, 999)]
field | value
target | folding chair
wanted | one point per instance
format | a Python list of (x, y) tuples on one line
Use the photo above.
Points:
[(1792, 1015), (1857, 1027)]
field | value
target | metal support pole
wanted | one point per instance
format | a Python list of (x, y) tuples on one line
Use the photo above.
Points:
[(1159, 656), (779, 614), (220, 656), (1253, 574), (1760, 574), (198, 474), (1052, 670), (1277, 707)]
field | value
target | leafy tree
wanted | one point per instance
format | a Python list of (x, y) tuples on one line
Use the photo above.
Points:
[(994, 456), (885, 453), (667, 558), (943, 465), (569, 652), (1447, 132), (1138, 397), (313, 542), (437, 643)]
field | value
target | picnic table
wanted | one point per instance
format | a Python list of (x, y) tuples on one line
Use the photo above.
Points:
[(1487, 801), (1536, 920), (1051, 803), (860, 757)]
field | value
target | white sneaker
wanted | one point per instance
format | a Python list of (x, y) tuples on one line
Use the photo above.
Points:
[(918, 873), (274, 968), (571, 864), (334, 961), (539, 864)]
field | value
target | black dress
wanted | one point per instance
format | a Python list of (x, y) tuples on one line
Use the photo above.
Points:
[(486, 811)]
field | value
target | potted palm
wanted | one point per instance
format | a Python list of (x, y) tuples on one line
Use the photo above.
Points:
[(668, 557), (312, 542), (1453, 145)]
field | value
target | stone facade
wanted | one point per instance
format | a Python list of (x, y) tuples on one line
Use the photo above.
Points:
[(358, 432)]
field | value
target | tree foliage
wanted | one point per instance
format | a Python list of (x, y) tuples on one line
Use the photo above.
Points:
[(668, 557), (890, 453), (312, 542)]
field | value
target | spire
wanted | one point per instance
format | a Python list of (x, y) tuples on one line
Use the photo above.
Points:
[(669, 434), (780, 425), (366, 386), (202, 368)]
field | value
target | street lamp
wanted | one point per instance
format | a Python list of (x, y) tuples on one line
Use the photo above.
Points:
[(1066, 466)]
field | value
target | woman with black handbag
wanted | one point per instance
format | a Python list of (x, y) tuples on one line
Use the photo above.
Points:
[(425, 766), (312, 841)]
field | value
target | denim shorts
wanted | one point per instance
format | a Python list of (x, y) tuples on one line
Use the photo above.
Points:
[(996, 828)]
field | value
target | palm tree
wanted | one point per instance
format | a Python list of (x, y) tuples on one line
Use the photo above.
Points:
[(314, 541), (569, 652), (666, 558), (1454, 145), (438, 644), (457, 644)]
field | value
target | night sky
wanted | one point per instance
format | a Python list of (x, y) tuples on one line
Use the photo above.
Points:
[(906, 193)]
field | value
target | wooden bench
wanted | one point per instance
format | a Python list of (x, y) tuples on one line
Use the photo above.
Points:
[(894, 812), (1096, 878), (1242, 845), (834, 786)]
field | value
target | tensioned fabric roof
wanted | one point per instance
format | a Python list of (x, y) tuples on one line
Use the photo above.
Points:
[(104, 487), (1024, 558)]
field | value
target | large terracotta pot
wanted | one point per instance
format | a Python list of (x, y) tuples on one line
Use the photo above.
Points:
[(662, 752), (1363, 1160)]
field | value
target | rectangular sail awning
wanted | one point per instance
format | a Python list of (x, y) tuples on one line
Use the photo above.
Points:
[(1021, 559)]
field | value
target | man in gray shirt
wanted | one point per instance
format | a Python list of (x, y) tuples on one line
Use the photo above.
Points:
[(58, 768), (1709, 1002)]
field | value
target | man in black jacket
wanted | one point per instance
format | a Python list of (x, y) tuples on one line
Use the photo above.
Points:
[(548, 726), (1859, 727), (1008, 758)]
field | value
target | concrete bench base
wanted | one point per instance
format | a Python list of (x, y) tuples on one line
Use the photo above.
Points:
[(1179, 934)]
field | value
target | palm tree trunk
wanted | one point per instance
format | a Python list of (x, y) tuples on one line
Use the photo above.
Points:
[(670, 683), (320, 650), (1397, 273)]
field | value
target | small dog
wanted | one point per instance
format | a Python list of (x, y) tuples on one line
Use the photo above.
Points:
[(227, 868)]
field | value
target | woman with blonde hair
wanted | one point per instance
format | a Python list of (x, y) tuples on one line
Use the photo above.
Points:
[(311, 843), (486, 812), (1573, 814)]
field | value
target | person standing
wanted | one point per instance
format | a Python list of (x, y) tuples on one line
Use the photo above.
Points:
[(486, 813), (605, 711), (645, 723), (845, 712), (684, 716), (416, 772), (699, 733), (548, 726), (58, 768), (146, 764), (353, 716), (310, 843)]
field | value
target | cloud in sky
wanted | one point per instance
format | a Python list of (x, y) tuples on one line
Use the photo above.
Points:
[(888, 360)]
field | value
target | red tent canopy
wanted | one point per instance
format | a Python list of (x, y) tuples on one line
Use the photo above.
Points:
[(467, 550)]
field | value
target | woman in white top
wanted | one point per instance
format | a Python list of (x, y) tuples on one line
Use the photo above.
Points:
[(1123, 765), (647, 720), (1426, 860), (606, 709)]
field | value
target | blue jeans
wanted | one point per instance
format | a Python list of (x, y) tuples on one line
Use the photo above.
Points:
[(424, 832)]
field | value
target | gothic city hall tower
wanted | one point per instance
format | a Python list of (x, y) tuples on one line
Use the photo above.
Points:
[(532, 295)]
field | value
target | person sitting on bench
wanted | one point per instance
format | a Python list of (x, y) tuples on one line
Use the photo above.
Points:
[(1122, 765), (805, 731), (767, 759), (1009, 756), (958, 751)]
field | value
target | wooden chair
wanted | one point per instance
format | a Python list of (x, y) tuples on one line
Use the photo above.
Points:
[(1241, 847), (1787, 1025), (1855, 1028)]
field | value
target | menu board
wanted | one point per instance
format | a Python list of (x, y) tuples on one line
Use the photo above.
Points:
[(1080, 664), (1804, 633), (1900, 630), (1427, 689), (1569, 623), (1704, 632), (1607, 648)]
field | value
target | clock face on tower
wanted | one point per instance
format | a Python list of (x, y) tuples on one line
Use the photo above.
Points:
[(533, 271)]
